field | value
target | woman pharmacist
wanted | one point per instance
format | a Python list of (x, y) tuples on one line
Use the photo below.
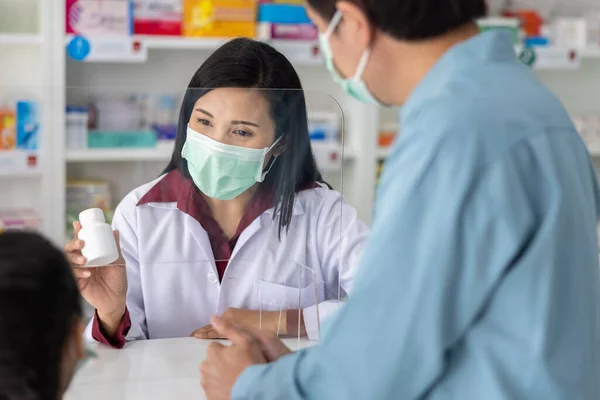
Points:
[(240, 207)]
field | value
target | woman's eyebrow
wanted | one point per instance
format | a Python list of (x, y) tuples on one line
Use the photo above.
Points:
[(205, 112), (244, 123)]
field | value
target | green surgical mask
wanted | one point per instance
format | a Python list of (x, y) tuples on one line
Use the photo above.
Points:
[(355, 86), (223, 171)]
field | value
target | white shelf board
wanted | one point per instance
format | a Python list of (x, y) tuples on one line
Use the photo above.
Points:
[(590, 52), (36, 173), (118, 155), (179, 42), (20, 39), (161, 153), (299, 52)]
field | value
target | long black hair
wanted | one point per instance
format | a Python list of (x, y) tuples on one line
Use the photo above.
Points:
[(39, 304), (246, 63)]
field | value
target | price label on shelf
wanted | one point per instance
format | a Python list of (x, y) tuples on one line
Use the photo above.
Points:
[(552, 58), (328, 155), (18, 162), (107, 49)]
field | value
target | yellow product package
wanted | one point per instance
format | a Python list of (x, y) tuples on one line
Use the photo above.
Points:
[(219, 18), (8, 135)]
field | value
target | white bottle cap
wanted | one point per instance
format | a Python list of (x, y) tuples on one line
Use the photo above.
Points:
[(90, 216)]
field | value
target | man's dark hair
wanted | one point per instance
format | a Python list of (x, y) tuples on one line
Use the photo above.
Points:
[(411, 20)]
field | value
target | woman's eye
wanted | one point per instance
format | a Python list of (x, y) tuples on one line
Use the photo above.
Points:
[(242, 133), (203, 121)]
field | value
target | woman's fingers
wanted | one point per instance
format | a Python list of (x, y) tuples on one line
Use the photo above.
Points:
[(74, 245), (82, 273), (207, 332), (76, 259), (76, 228)]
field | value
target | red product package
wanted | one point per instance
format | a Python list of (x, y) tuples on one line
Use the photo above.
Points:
[(157, 17)]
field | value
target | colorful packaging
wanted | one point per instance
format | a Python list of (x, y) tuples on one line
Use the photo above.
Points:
[(99, 17), (157, 17), (269, 31), (19, 218), (283, 14), (219, 18), (28, 125), (8, 134)]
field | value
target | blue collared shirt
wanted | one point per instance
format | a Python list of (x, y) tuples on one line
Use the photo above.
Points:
[(480, 280)]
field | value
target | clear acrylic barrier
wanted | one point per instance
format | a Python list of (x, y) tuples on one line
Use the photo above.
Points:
[(128, 150)]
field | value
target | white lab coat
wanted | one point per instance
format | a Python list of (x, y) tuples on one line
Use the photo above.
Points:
[(173, 283)]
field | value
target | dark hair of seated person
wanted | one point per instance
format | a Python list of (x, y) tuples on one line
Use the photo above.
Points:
[(40, 319)]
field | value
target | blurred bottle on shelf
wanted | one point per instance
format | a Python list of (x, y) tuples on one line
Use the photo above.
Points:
[(76, 120), (387, 134)]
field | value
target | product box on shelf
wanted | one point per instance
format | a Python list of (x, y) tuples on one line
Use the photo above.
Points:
[(219, 18), (157, 17), (271, 31), (99, 17), (8, 133), (20, 126), (28, 125), (17, 218), (283, 14)]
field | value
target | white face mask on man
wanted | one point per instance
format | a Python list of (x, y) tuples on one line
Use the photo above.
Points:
[(354, 86)]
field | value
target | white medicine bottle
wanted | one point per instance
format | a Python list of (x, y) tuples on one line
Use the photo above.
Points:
[(100, 247)]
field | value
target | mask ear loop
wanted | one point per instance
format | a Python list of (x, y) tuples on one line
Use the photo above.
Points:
[(335, 21), (362, 64), (262, 174)]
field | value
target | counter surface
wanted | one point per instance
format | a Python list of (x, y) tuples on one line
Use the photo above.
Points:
[(148, 370)]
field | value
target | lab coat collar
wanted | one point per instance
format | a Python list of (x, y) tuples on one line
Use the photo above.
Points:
[(175, 191), (496, 46)]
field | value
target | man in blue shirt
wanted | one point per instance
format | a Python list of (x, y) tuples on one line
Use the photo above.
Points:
[(481, 279)]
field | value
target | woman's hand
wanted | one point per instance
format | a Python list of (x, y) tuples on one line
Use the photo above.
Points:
[(274, 322), (105, 288)]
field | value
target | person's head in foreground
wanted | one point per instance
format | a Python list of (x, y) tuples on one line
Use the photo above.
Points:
[(243, 124), (378, 50), (41, 325)]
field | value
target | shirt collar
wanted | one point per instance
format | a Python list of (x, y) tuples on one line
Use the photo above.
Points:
[(485, 47)]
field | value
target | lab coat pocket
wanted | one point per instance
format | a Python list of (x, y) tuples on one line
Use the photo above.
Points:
[(271, 296)]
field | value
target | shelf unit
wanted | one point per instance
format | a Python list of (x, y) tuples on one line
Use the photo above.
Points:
[(25, 73), (118, 155), (128, 168), (170, 63), (20, 39)]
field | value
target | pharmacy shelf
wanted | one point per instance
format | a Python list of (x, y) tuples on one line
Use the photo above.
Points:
[(590, 52), (16, 39), (161, 153), (306, 53), (4, 174), (118, 155)]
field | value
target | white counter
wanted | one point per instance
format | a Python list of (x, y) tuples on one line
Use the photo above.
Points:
[(146, 370)]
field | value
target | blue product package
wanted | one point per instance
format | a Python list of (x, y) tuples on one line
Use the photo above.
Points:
[(538, 41), (283, 14), (28, 125)]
